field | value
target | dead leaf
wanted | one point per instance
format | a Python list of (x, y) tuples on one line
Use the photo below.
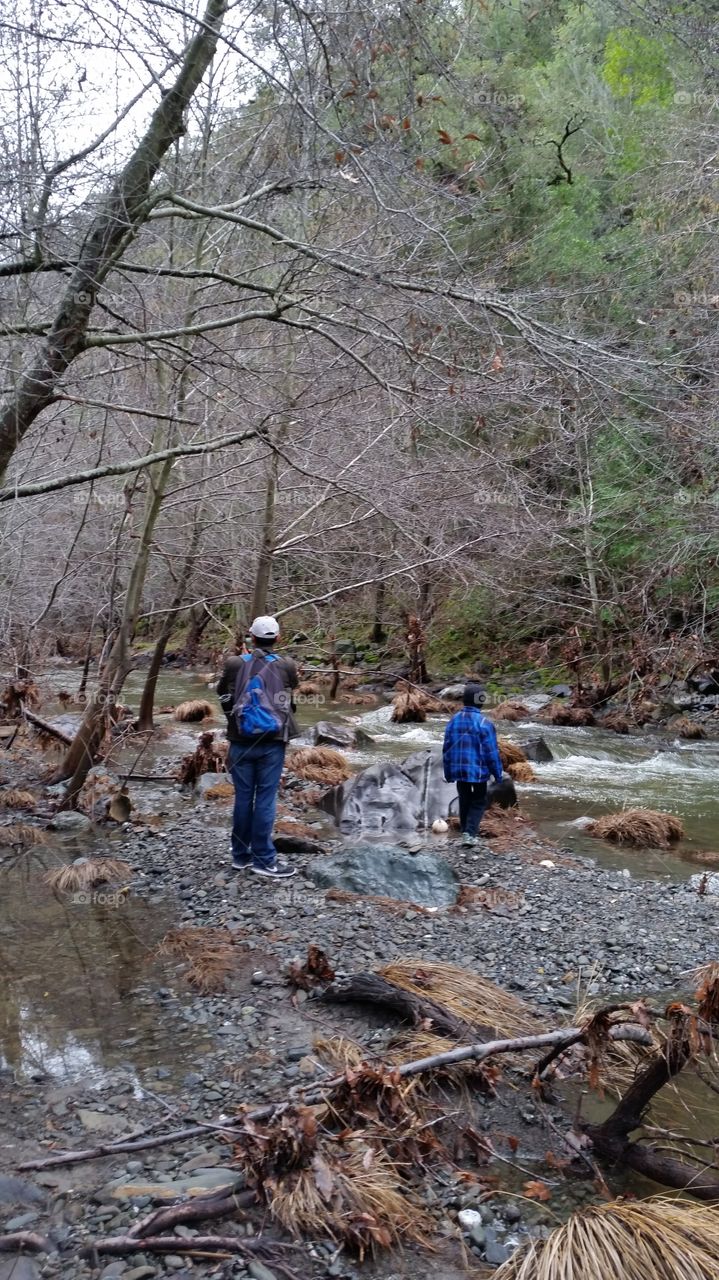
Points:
[(444, 137), (324, 1180), (536, 1191)]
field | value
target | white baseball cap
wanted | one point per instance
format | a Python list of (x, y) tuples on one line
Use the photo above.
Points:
[(265, 628)]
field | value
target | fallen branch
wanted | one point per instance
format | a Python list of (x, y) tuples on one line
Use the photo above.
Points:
[(44, 725), (199, 1209), (24, 1242), (610, 1140), (119, 1245)]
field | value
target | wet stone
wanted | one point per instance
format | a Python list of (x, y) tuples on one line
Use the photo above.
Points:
[(388, 871)]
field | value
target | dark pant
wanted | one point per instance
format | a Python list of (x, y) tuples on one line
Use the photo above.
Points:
[(472, 804), (255, 770)]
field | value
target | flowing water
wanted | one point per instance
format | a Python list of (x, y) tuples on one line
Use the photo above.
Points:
[(79, 989), (594, 772)]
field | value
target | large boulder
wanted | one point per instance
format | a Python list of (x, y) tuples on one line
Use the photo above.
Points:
[(435, 796), (389, 872), (380, 798)]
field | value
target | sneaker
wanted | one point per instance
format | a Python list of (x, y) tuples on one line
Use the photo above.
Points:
[(468, 841), (238, 863), (278, 871)]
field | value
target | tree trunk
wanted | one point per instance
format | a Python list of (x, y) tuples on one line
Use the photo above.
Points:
[(114, 227), (263, 572), (378, 634), (147, 701), (198, 622)]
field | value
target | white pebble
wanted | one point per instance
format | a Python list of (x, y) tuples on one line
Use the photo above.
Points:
[(440, 827), (468, 1219), (546, 862)]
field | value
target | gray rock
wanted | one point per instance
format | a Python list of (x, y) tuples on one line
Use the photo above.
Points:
[(326, 733), (71, 822), (259, 1271), (536, 749), (454, 692), (21, 1221), (390, 872), (381, 798), (17, 1266), (144, 1272), (17, 1191), (116, 1268)]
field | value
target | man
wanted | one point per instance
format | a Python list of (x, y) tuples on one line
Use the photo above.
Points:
[(470, 756), (255, 692)]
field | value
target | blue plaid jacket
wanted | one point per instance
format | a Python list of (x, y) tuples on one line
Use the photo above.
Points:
[(470, 752)]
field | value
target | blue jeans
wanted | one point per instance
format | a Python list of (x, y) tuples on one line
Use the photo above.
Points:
[(255, 770)]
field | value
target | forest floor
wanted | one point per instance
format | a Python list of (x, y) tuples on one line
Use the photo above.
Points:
[(547, 932)]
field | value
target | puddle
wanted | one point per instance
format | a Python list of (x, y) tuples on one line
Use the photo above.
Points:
[(78, 993)]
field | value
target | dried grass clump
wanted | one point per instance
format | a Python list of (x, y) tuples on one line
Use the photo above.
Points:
[(689, 729), (409, 705), (510, 753), (521, 771), (22, 833), (208, 953), (346, 1188), (354, 1194), (638, 829), (358, 699), (220, 791), (656, 1239), (209, 756), (195, 709), (309, 687), (88, 874), (14, 798), (560, 713), (468, 996), (617, 722), (319, 764), (509, 711)]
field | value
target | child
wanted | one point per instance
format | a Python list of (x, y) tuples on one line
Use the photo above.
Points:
[(471, 755)]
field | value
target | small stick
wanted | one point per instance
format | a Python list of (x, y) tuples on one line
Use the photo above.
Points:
[(24, 1241)]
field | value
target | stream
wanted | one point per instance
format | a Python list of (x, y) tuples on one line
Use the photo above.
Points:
[(81, 992)]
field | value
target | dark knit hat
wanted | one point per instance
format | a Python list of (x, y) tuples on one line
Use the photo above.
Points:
[(474, 695)]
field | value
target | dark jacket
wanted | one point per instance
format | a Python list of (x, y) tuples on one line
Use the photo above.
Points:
[(471, 751), (226, 694)]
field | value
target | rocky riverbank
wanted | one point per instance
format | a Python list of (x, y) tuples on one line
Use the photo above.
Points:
[(531, 918)]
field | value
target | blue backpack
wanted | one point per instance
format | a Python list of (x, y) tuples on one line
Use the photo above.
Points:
[(262, 700)]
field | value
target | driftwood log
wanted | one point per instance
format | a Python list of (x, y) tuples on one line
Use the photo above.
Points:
[(611, 1141), (370, 988)]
